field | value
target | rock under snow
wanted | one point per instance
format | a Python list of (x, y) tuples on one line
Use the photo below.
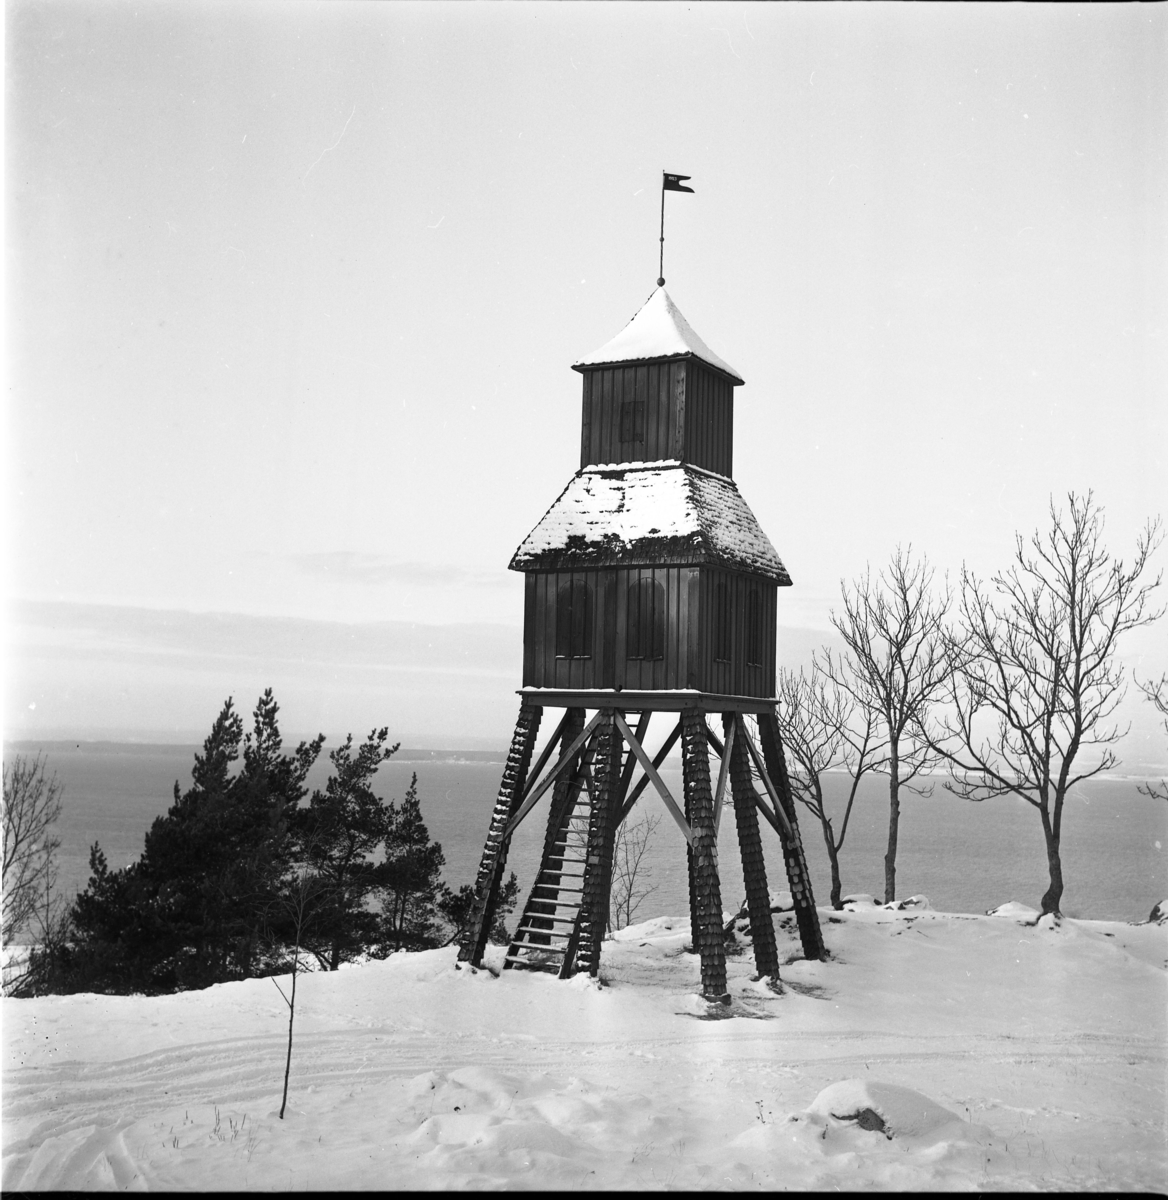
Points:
[(1018, 912), (1159, 913), (888, 1108), (858, 900), (921, 902)]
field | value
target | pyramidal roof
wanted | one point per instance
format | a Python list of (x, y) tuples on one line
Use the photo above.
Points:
[(653, 513), (657, 331)]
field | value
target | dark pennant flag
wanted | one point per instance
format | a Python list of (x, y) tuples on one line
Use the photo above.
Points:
[(672, 183)]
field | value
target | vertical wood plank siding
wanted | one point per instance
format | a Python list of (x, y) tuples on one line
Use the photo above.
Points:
[(688, 415), (709, 420), (606, 390), (736, 677), (690, 639)]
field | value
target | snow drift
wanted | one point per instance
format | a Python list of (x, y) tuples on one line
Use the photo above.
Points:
[(932, 1051)]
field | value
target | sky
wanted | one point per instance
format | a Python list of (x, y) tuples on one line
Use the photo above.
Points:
[(294, 290)]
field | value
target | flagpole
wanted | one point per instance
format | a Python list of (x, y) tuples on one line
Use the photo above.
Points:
[(661, 259)]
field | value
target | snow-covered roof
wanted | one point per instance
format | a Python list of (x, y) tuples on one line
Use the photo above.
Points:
[(665, 512), (657, 331)]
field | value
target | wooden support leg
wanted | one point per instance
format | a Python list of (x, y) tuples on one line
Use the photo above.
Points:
[(797, 875), (494, 859), (705, 891), (564, 792), (606, 777), (762, 928)]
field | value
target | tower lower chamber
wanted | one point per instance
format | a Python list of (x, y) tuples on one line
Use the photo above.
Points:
[(590, 769)]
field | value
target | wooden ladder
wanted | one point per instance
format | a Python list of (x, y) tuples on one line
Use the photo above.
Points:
[(550, 935)]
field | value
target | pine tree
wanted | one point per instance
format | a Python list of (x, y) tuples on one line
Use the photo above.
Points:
[(195, 908), (458, 907), (339, 832), (411, 878)]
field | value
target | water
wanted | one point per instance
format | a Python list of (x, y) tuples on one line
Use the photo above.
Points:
[(965, 857)]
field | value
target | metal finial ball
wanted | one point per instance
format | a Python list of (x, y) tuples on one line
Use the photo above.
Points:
[(661, 281)]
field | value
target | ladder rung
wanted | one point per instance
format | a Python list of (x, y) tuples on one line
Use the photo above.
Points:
[(555, 887), (542, 917)]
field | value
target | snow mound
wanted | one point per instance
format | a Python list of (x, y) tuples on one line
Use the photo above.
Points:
[(655, 927), (1018, 912), (1159, 913), (887, 1108), (921, 902), (858, 900), (781, 901)]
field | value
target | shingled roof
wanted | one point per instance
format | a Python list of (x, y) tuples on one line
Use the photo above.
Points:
[(665, 512), (657, 331)]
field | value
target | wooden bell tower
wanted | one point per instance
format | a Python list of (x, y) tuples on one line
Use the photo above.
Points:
[(650, 589)]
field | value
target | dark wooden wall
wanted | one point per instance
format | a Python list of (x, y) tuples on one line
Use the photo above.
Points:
[(709, 420), (608, 666), (688, 660), (738, 677), (656, 386), (686, 411)]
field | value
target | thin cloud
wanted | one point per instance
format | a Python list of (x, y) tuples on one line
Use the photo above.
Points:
[(373, 569)]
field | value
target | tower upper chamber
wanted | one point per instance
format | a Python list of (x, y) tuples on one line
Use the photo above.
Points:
[(650, 573)]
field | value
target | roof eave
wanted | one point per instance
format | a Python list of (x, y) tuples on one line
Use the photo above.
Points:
[(735, 380), (646, 552)]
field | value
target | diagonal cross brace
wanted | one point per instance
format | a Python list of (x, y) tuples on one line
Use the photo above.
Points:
[(545, 754), (551, 776), (650, 770), (778, 823), (644, 781), (723, 773), (766, 780)]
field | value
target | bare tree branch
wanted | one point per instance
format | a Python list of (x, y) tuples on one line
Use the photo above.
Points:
[(895, 668), (630, 886), (1034, 679), (1157, 694), (31, 806), (825, 729)]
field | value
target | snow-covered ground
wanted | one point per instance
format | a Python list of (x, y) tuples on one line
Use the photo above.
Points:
[(933, 1050)]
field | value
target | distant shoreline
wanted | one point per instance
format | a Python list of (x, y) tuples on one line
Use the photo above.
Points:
[(407, 754), (103, 746)]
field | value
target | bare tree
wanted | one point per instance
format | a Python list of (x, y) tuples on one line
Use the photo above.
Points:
[(50, 932), (1036, 680), (32, 804), (895, 667), (630, 875), (1157, 693), (824, 729), (298, 904)]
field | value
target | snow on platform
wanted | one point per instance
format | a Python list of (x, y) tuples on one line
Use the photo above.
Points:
[(653, 513), (658, 330), (932, 1051)]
